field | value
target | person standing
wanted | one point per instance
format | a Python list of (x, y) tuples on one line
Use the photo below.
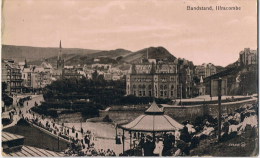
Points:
[(167, 145), (73, 129), (147, 146), (158, 147), (185, 136), (81, 130), (87, 141)]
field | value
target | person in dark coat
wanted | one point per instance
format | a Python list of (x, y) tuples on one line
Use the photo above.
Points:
[(185, 136), (167, 146), (118, 140), (68, 131), (81, 130), (87, 141), (172, 139), (148, 146), (194, 142)]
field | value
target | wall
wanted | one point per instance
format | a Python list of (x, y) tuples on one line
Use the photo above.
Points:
[(180, 114), (121, 116)]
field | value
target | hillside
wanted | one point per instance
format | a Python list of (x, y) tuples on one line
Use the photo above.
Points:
[(153, 53), (232, 65), (19, 53), (120, 57), (75, 56), (111, 53), (220, 68)]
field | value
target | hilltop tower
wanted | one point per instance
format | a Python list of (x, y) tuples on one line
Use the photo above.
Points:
[(25, 63), (60, 61)]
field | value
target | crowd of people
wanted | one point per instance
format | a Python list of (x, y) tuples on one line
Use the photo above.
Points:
[(82, 142), (180, 143), (236, 123), (175, 143)]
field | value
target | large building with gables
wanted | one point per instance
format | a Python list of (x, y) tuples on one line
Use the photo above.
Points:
[(152, 79)]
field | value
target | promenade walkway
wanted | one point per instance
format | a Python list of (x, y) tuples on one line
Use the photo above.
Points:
[(27, 106), (101, 141)]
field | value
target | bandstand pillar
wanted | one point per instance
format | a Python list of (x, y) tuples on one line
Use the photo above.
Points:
[(130, 139), (123, 138), (153, 136)]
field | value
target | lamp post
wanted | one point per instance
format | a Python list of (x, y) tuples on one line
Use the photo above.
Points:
[(181, 94), (123, 138), (219, 108), (58, 112)]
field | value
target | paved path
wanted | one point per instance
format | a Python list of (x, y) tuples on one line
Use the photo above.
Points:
[(31, 103), (103, 142)]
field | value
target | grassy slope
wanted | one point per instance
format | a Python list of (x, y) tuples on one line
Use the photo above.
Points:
[(244, 145)]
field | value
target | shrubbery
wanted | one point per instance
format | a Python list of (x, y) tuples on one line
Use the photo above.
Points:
[(88, 96), (44, 111), (7, 100)]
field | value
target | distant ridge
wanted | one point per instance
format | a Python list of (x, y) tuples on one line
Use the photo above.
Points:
[(153, 53), (76, 56), (19, 53)]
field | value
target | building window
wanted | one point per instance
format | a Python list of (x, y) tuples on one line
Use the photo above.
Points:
[(171, 93), (143, 93), (150, 93), (140, 93), (161, 93), (161, 87), (134, 86), (150, 86), (165, 93)]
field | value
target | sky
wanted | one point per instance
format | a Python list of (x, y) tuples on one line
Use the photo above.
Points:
[(200, 36)]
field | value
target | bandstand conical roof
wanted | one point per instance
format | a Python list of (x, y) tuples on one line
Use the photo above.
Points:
[(153, 120), (154, 109)]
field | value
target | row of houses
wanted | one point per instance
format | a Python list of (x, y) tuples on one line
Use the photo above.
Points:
[(106, 70), (21, 76)]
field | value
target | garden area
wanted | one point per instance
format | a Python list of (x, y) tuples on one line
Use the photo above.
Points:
[(87, 96)]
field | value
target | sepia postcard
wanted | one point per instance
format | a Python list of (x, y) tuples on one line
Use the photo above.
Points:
[(129, 78)]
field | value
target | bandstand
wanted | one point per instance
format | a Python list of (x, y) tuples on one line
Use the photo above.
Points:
[(152, 121)]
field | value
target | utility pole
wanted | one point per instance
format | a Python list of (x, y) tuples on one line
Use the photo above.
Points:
[(123, 139), (219, 108), (58, 112), (181, 94)]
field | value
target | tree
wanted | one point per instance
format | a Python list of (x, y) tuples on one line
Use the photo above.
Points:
[(7, 100), (119, 58), (95, 75), (4, 87), (196, 80), (100, 78)]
